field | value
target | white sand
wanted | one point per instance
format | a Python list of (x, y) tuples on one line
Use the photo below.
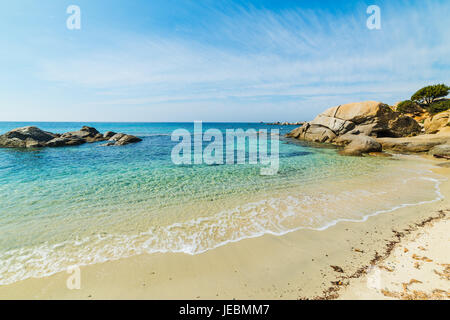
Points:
[(418, 268)]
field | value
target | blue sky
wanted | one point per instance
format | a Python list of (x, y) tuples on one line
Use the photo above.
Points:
[(214, 60)]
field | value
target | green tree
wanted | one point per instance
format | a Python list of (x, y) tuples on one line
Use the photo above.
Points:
[(408, 106), (428, 94), (439, 106)]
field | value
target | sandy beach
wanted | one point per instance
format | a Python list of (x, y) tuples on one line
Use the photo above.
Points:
[(416, 269), (225, 150), (305, 264)]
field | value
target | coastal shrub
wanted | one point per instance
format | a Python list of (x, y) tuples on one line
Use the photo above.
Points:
[(408, 106), (429, 94), (439, 106)]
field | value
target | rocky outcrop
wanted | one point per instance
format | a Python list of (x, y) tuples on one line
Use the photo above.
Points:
[(65, 141), (278, 123), (108, 134), (127, 139), (370, 118), (26, 137), (355, 125), (33, 137), (403, 126), (422, 143), (437, 122), (313, 132), (116, 137), (89, 134)]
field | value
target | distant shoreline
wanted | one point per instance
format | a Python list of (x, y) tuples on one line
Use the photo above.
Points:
[(136, 122)]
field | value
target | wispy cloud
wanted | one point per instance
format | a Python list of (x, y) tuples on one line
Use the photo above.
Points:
[(259, 55)]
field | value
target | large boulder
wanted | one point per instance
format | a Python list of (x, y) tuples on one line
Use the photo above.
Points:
[(314, 133), (361, 112), (26, 137), (65, 141), (370, 118), (404, 126), (338, 126), (355, 145), (364, 143), (89, 134), (437, 122), (355, 125)]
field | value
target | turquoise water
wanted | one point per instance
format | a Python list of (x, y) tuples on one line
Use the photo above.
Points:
[(88, 204)]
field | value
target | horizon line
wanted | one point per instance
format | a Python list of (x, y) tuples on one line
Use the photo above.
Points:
[(40, 121)]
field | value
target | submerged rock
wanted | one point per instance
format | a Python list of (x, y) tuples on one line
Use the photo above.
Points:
[(380, 154), (108, 144), (350, 152)]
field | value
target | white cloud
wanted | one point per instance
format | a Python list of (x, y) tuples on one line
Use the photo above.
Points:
[(260, 55)]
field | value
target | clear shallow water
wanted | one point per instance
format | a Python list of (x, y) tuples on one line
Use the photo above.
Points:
[(88, 204)]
